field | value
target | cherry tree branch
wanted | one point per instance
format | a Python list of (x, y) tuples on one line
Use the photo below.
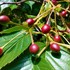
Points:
[(19, 2)]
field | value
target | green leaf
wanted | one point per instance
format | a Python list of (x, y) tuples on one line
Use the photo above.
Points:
[(5, 5), (47, 6), (13, 7), (61, 28), (47, 61), (30, 3), (59, 61), (30, 16), (13, 29), (58, 9), (13, 45)]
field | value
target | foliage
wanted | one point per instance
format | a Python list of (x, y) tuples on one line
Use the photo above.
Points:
[(16, 36)]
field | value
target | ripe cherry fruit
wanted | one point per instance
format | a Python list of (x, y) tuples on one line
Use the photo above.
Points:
[(46, 28), (34, 48), (4, 18), (54, 2), (1, 51), (30, 21), (55, 47), (63, 13), (57, 38)]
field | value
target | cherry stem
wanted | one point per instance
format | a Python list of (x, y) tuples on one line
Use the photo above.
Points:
[(65, 9), (63, 22), (47, 44), (50, 39), (55, 23), (30, 31), (49, 16), (38, 55), (41, 9), (52, 4), (65, 38), (66, 0), (37, 32), (14, 23), (65, 45), (13, 39), (37, 28), (41, 16)]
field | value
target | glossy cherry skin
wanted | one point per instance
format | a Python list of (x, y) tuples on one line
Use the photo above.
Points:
[(63, 13), (46, 28), (30, 21), (55, 47), (54, 2), (34, 48), (1, 51), (57, 38), (4, 18)]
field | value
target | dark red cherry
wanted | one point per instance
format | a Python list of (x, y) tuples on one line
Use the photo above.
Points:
[(63, 13), (54, 2), (34, 48), (1, 51), (57, 38), (4, 18), (30, 21), (46, 28), (55, 47)]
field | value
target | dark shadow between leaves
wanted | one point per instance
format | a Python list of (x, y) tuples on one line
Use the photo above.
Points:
[(35, 60), (56, 55), (1, 55)]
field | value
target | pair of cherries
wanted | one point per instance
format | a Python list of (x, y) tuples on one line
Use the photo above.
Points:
[(3, 18), (64, 12)]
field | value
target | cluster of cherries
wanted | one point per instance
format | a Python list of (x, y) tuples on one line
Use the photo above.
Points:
[(34, 48)]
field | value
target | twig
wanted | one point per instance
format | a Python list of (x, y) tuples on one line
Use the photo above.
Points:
[(12, 2), (19, 2), (31, 36)]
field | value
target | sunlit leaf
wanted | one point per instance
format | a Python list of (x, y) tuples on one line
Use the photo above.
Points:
[(47, 61)]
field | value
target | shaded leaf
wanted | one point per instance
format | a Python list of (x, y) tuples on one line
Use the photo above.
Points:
[(30, 3), (61, 28), (13, 7), (5, 5), (13, 29), (14, 47)]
